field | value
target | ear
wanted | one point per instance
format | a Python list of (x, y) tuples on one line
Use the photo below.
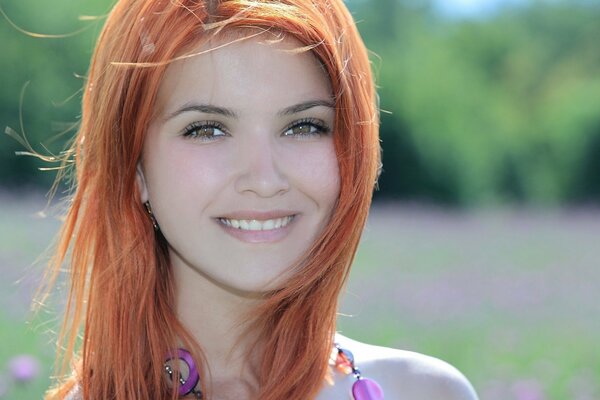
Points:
[(140, 180)]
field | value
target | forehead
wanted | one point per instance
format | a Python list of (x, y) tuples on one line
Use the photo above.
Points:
[(245, 73)]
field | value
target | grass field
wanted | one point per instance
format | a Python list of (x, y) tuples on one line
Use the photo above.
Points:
[(512, 298)]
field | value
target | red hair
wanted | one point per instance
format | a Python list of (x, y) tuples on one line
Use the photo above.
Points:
[(121, 292)]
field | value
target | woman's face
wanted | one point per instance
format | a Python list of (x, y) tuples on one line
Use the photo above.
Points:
[(239, 163)]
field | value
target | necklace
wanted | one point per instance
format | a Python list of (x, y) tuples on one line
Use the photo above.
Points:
[(189, 384), (363, 388), (343, 360)]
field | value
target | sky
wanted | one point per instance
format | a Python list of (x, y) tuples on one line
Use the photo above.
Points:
[(472, 8)]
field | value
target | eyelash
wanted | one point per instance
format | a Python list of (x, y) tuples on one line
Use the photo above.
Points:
[(189, 130), (321, 129)]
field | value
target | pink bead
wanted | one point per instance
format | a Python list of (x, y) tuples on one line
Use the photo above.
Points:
[(367, 389)]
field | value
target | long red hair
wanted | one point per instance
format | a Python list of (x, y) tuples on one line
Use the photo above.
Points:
[(121, 291)]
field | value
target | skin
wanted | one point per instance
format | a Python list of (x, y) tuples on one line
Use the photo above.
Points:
[(270, 158), (265, 156), (403, 375), (258, 161)]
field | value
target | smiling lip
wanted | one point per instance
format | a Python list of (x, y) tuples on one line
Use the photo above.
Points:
[(284, 219)]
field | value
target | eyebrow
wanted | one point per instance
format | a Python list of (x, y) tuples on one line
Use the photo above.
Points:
[(211, 109), (296, 108), (203, 108)]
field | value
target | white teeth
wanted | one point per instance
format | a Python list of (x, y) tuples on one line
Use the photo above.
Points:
[(245, 225), (255, 225), (269, 224)]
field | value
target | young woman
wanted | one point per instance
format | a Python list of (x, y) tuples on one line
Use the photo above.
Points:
[(224, 165)]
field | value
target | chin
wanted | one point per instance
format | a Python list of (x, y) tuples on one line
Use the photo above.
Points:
[(254, 289)]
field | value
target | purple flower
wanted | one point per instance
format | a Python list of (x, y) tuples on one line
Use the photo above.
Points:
[(24, 368), (529, 389)]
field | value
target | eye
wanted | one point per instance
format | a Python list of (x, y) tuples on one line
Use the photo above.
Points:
[(205, 131), (307, 128)]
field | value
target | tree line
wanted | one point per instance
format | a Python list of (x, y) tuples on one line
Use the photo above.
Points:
[(505, 108)]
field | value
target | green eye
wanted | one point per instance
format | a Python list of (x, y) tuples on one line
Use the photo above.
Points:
[(304, 129), (307, 128), (205, 131)]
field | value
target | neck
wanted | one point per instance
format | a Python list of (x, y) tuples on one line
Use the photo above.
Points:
[(215, 316)]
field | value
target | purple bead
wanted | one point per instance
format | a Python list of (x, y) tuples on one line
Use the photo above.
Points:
[(192, 380), (367, 389)]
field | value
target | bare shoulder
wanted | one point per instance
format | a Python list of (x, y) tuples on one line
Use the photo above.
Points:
[(408, 375)]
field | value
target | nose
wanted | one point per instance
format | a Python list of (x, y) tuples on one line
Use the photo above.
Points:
[(261, 170)]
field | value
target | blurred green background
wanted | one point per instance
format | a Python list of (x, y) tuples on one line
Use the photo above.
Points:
[(484, 227), (496, 108)]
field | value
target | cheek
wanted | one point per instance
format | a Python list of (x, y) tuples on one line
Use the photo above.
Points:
[(331, 178), (320, 174), (184, 174)]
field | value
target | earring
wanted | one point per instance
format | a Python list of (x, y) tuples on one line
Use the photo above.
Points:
[(152, 218)]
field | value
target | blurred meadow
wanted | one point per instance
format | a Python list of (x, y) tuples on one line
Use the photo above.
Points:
[(482, 245), (510, 297)]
